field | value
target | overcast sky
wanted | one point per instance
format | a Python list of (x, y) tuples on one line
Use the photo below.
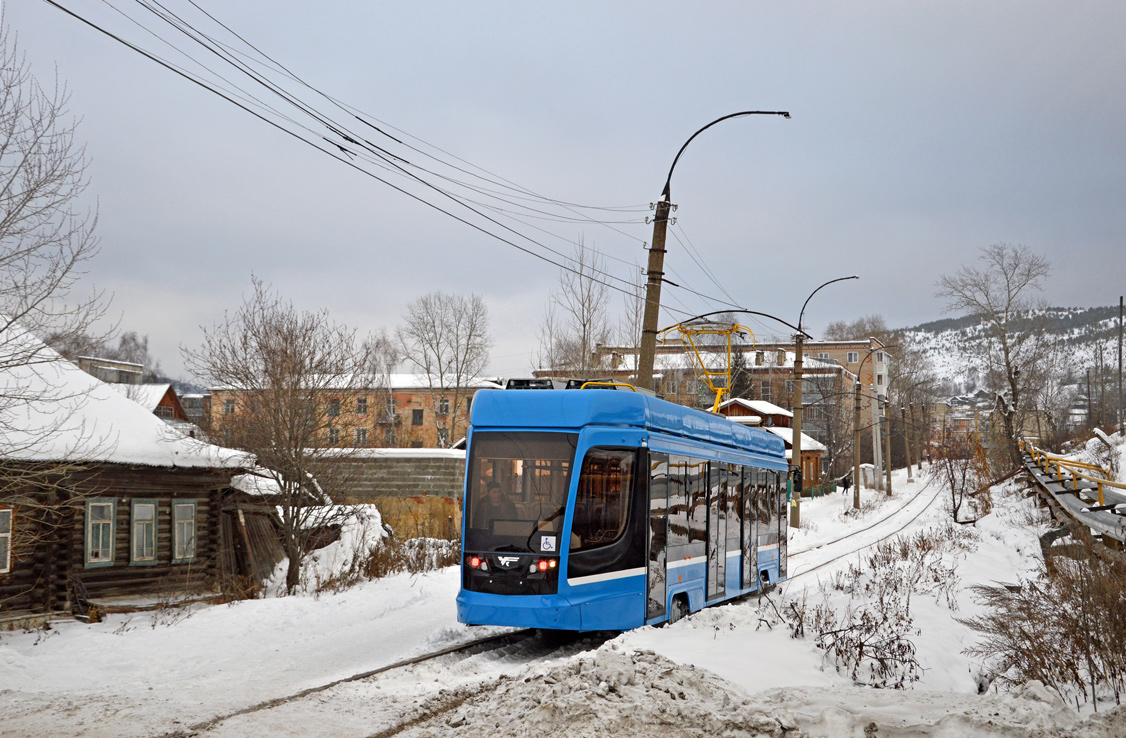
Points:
[(920, 132)]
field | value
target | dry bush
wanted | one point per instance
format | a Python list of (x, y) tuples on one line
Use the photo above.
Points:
[(871, 642), (1065, 627), (870, 639), (394, 556)]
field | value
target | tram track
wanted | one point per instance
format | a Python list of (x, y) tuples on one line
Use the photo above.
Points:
[(515, 640)]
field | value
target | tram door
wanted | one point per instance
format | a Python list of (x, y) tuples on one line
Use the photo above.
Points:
[(717, 530), (750, 529), (657, 586)]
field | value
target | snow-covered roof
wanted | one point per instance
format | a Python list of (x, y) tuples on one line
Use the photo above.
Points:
[(54, 411), (256, 483), (408, 382), (787, 435), (759, 406), (147, 396)]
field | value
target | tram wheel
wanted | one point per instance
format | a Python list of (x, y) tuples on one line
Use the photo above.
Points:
[(679, 609)]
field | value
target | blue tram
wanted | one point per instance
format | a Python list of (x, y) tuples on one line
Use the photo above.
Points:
[(607, 510)]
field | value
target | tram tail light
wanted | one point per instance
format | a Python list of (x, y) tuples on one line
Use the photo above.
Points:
[(476, 562), (543, 565), (551, 563)]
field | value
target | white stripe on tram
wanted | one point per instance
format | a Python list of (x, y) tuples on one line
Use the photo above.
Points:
[(608, 576), (686, 562)]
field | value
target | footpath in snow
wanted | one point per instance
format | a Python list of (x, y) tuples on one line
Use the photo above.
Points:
[(732, 669)]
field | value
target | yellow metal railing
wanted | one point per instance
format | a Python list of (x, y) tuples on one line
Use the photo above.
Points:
[(608, 384), (1046, 461)]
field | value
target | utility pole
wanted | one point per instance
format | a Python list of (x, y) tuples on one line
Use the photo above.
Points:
[(907, 443), (856, 445), (887, 443), (795, 506), (655, 273)]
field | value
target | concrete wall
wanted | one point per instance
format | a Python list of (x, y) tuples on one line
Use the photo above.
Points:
[(418, 491)]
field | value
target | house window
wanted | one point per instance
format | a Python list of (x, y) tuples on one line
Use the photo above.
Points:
[(228, 407), (334, 436), (765, 391), (853, 357), (789, 386), (443, 406), (879, 379), (362, 406), (881, 357), (164, 411), (100, 518), (183, 532), (360, 437), (416, 417), (334, 407), (823, 355), (143, 541), (5, 540), (443, 438)]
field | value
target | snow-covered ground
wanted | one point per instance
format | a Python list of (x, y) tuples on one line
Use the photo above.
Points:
[(730, 670)]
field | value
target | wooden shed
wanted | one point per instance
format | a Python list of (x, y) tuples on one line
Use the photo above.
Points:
[(98, 497)]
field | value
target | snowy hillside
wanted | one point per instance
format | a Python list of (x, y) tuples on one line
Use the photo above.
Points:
[(1082, 332)]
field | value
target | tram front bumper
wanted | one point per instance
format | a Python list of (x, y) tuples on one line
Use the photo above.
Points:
[(521, 611)]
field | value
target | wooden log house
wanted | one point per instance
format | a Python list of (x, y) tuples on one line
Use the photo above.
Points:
[(98, 497)]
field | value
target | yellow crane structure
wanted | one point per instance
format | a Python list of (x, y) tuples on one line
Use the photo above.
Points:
[(690, 333)]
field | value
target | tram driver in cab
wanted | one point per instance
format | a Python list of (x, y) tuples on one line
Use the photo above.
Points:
[(497, 507)]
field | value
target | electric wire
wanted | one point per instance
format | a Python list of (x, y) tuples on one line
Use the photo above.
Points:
[(234, 94)]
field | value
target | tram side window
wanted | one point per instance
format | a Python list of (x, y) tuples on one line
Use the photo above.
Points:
[(766, 501), (658, 490), (698, 500), (602, 501), (678, 501), (734, 505)]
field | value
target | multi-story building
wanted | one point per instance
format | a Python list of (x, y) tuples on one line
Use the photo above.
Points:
[(407, 412)]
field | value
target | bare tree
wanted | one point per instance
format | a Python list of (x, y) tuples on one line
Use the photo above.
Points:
[(286, 373), (46, 240), (958, 470), (577, 318), (446, 339), (1001, 293), (859, 330)]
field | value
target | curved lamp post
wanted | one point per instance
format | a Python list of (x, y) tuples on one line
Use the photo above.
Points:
[(657, 260), (795, 456)]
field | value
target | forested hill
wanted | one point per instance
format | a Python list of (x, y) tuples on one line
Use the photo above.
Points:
[(1080, 332)]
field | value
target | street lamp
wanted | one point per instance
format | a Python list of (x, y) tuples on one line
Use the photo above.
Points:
[(795, 506), (657, 260)]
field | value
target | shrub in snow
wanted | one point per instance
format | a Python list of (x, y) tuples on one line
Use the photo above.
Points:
[(868, 637), (1065, 627)]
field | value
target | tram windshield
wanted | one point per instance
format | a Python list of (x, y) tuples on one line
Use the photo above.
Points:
[(516, 490)]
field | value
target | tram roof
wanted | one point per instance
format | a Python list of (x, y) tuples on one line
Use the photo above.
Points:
[(575, 409)]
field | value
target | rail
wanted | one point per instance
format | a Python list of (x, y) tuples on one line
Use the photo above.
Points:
[(608, 384)]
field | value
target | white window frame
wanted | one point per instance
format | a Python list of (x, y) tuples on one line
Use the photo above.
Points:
[(766, 391), (823, 355), (6, 535), (443, 406), (136, 556), (360, 437), (333, 436), (228, 407), (95, 559), (789, 386), (333, 408), (184, 531), (361, 406), (853, 357)]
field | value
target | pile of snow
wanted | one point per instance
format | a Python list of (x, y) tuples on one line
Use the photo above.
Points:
[(611, 693)]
